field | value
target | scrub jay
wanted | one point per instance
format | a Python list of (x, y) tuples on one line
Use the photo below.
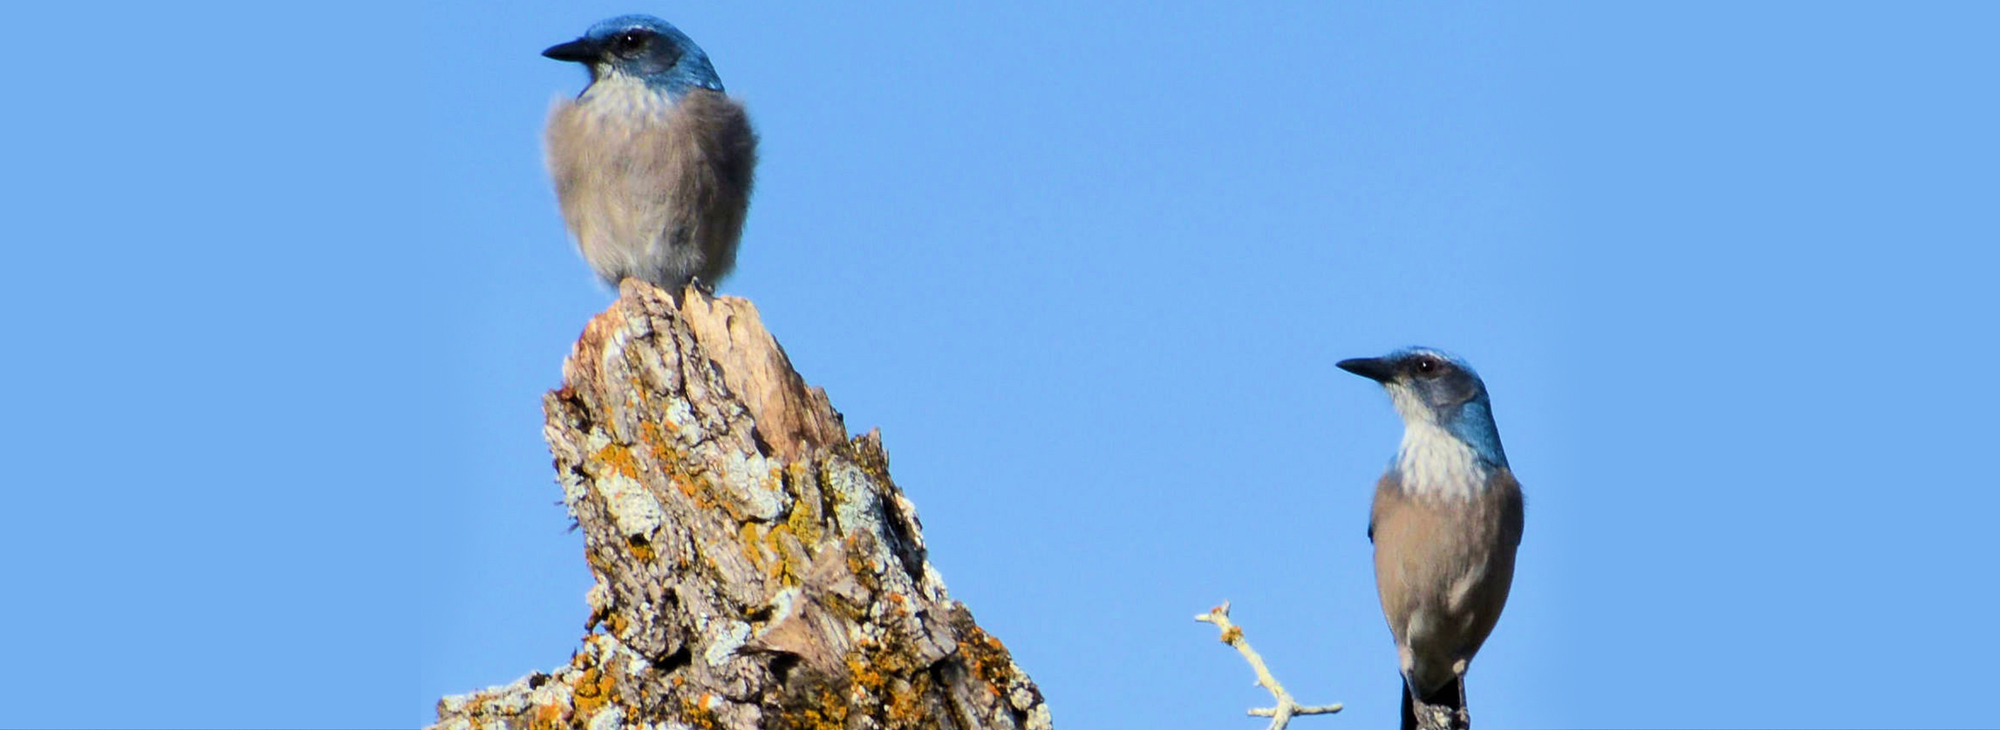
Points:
[(652, 162), (1446, 522)]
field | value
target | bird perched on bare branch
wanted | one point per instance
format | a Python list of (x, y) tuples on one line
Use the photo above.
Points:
[(652, 162), (1446, 523)]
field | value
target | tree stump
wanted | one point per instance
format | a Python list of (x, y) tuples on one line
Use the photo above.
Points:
[(755, 567)]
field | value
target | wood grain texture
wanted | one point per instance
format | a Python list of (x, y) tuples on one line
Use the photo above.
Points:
[(755, 567)]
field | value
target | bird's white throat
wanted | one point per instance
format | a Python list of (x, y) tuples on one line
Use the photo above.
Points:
[(1432, 461), (616, 92)]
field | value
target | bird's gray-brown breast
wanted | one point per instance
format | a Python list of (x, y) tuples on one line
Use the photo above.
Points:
[(654, 190), (1443, 566)]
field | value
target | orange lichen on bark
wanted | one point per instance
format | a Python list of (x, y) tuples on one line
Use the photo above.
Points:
[(548, 717), (692, 405), (989, 658), (639, 547), (593, 690), (695, 712), (619, 459)]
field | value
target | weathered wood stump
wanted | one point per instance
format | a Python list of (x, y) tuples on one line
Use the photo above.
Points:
[(755, 567)]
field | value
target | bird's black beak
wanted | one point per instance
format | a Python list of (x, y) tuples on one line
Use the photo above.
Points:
[(1372, 368), (579, 50)]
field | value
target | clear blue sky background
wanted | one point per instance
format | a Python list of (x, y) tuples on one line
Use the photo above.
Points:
[(286, 283)]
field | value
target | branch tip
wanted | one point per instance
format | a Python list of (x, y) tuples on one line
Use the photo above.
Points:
[(1286, 707)]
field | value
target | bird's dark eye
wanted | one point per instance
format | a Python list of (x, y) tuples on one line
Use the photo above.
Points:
[(1427, 365), (629, 42)]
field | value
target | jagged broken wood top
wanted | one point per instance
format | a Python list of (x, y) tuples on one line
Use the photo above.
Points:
[(755, 567)]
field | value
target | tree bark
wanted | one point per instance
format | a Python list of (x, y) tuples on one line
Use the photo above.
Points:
[(755, 567), (1422, 716)]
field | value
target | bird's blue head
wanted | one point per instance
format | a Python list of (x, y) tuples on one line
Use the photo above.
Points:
[(641, 47), (1434, 389)]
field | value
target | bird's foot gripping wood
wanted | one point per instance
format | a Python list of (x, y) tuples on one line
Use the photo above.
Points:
[(1444, 710)]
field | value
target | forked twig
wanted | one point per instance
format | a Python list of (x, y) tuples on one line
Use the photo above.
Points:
[(1282, 713)]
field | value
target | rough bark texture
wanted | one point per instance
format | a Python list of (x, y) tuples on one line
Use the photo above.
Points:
[(755, 567), (1421, 716)]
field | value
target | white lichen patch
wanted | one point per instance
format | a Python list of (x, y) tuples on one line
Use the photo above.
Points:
[(511, 699), (631, 507), (746, 476), (551, 694), (727, 643), (680, 413), (573, 487), (612, 717), (859, 507), (782, 604)]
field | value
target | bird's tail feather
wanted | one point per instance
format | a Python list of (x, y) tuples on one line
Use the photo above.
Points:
[(1409, 713)]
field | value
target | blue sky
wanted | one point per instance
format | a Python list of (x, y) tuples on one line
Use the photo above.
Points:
[(288, 282)]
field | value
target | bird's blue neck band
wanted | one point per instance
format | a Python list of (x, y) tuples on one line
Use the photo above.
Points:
[(688, 75), (1473, 424)]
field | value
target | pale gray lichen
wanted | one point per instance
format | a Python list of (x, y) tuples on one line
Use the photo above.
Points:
[(632, 508), (612, 717), (726, 643)]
